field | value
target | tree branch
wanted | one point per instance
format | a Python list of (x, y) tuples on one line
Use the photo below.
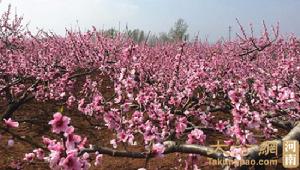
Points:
[(173, 147)]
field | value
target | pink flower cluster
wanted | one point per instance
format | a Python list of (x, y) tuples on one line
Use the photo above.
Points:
[(65, 153), (196, 137)]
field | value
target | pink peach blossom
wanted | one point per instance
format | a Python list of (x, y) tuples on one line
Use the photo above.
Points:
[(59, 123), (10, 123)]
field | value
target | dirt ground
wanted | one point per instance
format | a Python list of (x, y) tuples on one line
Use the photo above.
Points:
[(34, 118), (40, 114)]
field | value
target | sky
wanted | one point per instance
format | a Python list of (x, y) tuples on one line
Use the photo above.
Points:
[(209, 18)]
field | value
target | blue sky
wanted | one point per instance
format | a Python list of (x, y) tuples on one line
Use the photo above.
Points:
[(210, 18)]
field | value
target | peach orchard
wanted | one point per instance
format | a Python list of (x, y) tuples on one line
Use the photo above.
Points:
[(163, 97)]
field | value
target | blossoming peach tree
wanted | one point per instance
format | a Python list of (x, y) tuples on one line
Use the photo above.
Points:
[(166, 98)]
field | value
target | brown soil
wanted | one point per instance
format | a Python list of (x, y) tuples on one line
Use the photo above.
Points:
[(36, 126)]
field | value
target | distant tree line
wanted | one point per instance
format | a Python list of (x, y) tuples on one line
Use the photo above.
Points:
[(177, 33)]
